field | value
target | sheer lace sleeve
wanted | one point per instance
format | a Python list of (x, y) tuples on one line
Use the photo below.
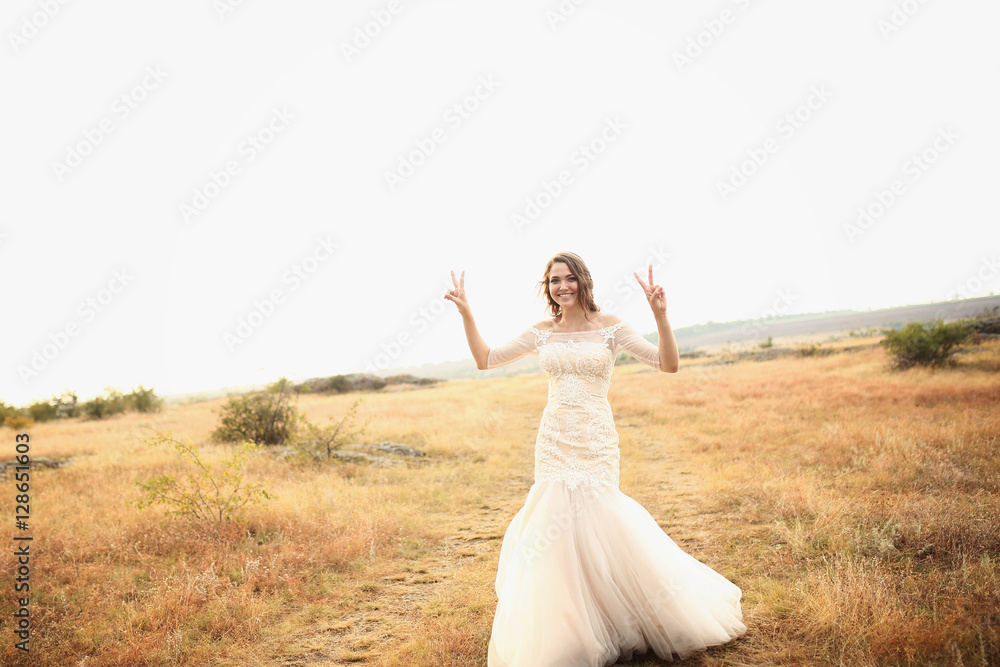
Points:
[(524, 344), (626, 338)]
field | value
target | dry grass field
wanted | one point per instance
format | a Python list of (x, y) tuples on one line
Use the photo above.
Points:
[(858, 509)]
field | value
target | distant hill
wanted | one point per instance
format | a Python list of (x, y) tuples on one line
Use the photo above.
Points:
[(804, 324), (806, 327), (209, 394)]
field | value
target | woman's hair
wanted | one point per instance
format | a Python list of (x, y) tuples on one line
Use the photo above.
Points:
[(584, 283)]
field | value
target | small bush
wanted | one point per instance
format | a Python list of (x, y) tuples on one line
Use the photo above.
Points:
[(116, 401), (112, 402), (143, 400), (205, 494), (65, 404), (813, 350), (987, 321), (18, 421), (318, 442), (265, 417), (765, 343), (98, 407), (95, 408), (338, 384), (60, 406), (41, 411), (864, 333), (924, 343)]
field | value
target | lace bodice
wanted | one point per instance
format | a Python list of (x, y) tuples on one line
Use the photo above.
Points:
[(577, 442), (616, 337)]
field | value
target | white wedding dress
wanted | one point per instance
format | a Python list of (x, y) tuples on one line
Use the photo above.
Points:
[(586, 576)]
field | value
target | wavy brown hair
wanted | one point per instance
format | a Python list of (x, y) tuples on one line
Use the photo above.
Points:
[(584, 283)]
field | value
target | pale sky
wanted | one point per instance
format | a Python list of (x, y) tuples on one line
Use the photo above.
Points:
[(171, 170)]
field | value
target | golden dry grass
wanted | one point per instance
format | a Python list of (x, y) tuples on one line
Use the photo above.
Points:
[(857, 509)]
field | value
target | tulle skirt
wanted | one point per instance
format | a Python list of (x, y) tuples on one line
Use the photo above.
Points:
[(587, 577)]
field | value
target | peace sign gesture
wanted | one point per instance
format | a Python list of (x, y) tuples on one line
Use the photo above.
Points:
[(457, 295), (654, 293)]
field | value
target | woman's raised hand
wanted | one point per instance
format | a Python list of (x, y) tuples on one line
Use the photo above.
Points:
[(457, 295), (654, 293)]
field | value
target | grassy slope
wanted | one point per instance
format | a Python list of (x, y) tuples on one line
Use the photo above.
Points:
[(857, 509)]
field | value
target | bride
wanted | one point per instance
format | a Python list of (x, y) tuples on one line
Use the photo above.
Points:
[(586, 576)]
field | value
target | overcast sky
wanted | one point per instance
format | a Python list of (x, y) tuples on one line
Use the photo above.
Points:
[(206, 193)]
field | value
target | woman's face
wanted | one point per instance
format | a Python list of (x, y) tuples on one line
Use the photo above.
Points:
[(562, 285)]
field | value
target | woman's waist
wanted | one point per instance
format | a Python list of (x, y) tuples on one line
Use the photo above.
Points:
[(577, 402)]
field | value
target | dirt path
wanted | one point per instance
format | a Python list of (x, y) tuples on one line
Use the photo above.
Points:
[(397, 610), (399, 606)]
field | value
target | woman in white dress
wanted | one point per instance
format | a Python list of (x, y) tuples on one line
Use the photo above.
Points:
[(586, 576)]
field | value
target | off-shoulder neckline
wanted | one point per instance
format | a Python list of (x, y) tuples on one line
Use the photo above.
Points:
[(583, 331)]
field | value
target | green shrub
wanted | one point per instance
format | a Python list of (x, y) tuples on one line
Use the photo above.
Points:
[(813, 350), (95, 408), (65, 404), (112, 402), (16, 420), (144, 400), (117, 403), (864, 333), (766, 343), (338, 384), (924, 343), (318, 442), (264, 417), (987, 321), (41, 411), (60, 406), (205, 494)]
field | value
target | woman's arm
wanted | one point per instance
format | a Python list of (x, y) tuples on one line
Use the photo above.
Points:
[(670, 360), (480, 350)]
